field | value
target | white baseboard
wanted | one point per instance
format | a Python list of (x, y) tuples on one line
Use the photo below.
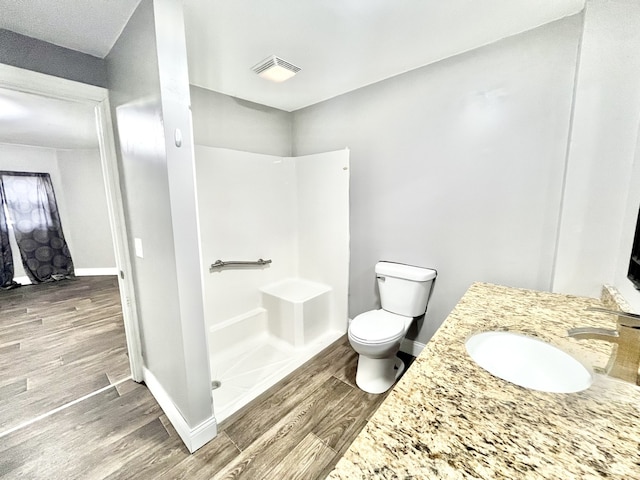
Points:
[(412, 347), (193, 438), (91, 272), (79, 272)]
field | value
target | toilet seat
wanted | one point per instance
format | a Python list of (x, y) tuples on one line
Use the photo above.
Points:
[(377, 327)]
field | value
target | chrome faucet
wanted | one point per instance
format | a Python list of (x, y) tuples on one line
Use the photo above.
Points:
[(625, 357)]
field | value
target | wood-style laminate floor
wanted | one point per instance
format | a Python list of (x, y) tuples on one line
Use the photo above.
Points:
[(59, 341), (296, 430)]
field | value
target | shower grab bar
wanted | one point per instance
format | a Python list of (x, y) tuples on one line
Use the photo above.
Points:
[(234, 263)]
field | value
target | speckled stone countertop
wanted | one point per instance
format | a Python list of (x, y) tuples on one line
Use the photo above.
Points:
[(448, 418)]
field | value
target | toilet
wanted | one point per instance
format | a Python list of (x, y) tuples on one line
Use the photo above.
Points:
[(376, 335)]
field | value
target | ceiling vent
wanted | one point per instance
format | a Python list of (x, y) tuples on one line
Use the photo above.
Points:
[(275, 69)]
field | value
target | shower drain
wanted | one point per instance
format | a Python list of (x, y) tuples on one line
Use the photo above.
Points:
[(215, 384)]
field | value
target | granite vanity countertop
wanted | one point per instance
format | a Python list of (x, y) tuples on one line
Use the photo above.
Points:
[(448, 418)]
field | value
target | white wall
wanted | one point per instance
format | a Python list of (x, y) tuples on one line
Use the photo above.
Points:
[(247, 202), (150, 99), (135, 100), (86, 205), (456, 166), (76, 176), (601, 195), (322, 194), (190, 269)]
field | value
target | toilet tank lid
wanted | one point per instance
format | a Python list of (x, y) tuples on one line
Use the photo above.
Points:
[(400, 270)]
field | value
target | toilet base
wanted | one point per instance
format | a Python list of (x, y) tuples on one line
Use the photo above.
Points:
[(377, 375)]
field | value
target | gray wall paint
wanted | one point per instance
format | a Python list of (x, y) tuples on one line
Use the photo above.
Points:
[(227, 122), (135, 83), (456, 166), (86, 202), (32, 54)]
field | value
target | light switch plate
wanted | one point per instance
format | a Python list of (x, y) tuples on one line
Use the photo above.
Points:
[(137, 242)]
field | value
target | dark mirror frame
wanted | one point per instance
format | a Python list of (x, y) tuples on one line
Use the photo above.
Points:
[(634, 262)]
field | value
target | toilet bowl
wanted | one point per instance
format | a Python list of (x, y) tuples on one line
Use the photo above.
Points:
[(376, 335)]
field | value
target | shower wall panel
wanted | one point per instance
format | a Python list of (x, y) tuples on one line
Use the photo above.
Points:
[(294, 211), (247, 203), (322, 183)]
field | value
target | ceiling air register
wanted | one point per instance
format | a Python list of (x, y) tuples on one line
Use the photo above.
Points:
[(275, 69)]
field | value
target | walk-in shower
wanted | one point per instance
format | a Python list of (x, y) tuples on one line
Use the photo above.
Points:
[(275, 231)]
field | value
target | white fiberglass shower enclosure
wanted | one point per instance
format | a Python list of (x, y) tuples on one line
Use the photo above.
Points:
[(266, 319)]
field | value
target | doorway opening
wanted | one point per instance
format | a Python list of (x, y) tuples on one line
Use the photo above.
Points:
[(113, 280)]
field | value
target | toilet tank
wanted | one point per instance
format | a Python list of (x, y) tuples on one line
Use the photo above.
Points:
[(404, 289)]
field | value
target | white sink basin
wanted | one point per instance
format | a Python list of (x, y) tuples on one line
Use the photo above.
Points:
[(528, 362)]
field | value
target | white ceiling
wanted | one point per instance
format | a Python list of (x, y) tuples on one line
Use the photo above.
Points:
[(341, 45)]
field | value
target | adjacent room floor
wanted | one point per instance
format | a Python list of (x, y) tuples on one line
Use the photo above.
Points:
[(59, 341)]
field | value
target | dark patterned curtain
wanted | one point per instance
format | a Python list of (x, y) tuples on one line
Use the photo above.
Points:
[(32, 208), (6, 256)]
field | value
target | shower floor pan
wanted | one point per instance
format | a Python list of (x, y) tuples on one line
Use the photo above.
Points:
[(244, 366)]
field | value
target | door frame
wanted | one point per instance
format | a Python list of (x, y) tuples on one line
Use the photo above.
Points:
[(27, 81)]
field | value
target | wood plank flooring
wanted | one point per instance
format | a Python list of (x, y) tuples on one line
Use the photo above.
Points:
[(58, 342), (296, 430)]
